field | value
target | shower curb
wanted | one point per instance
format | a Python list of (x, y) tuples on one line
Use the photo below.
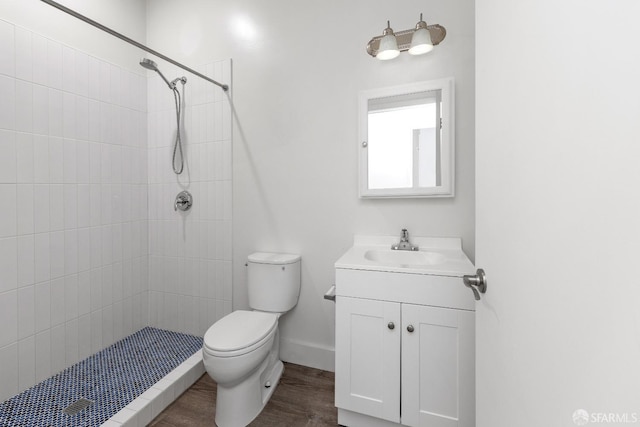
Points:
[(143, 409)]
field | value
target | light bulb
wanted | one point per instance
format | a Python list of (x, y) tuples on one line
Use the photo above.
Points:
[(388, 45), (421, 39)]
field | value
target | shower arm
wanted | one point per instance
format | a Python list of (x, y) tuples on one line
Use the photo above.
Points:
[(131, 42)]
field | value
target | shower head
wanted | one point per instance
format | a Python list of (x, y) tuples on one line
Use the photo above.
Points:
[(150, 65)]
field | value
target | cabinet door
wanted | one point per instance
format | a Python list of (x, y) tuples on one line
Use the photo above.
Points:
[(368, 357), (438, 368)]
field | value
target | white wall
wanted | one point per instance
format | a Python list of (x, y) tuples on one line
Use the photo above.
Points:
[(125, 16), (190, 279), (298, 67), (558, 125), (73, 185)]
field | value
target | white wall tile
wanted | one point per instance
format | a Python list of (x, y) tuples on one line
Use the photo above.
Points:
[(84, 205), (26, 312), (68, 69), (42, 301), (56, 207), (7, 48), (114, 84), (96, 204), (8, 162), (24, 106), (42, 257), (84, 336), (58, 348), (8, 264), (24, 158), (25, 199), (70, 163), (84, 249), (8, 213), (54, 64), (39, 59), (71, 297), (107, 326), (70, 251), (93, 77), (94, 124), (8, 371), (82, 118), (69, 115), (107, 286), (96, 247), (58, 309), (26, 260), (43, 355), (41, 159), (84, 292), (8, 104), (104, 81), (26, 363), (55, 113), (56, 160), (96, 289), (24, 63), (70, 208), (40, 110), (8, 317), (96, 331), (83, 162), (71, 342), (41, 197), (82, 74), (56, 253)]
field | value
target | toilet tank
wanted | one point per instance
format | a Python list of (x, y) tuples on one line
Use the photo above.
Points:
[(273, 281)]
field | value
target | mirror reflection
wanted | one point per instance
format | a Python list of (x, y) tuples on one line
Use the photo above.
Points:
[(407, 140), (404, 144)]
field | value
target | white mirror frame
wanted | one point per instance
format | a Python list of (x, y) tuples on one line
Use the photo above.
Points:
[(446, 86)]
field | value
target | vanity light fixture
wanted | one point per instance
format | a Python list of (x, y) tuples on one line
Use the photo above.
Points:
[(417, 41)]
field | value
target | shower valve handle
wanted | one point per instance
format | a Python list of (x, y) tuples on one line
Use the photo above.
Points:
[(184, 200)]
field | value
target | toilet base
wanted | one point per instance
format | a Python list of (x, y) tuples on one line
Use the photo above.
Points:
[(237, 406)]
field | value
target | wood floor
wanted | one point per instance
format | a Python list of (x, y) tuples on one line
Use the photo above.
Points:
[(304, 397)]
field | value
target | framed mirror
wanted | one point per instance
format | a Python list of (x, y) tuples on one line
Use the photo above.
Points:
[(407, 145)]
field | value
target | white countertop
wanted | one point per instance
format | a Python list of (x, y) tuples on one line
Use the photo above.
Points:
[(455, 263)]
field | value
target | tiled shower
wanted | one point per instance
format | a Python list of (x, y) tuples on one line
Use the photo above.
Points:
[(91, 249)]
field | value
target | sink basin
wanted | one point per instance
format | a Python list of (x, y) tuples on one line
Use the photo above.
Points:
[(404, 258)]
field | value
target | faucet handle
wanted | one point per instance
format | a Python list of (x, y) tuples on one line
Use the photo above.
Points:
[(405, 235)]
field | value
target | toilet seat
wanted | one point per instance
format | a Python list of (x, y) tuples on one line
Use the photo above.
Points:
[(240, 332)]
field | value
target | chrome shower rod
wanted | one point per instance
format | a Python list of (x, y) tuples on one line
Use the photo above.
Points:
[(131, 41)]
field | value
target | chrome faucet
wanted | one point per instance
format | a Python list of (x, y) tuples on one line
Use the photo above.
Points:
[(404, 244)]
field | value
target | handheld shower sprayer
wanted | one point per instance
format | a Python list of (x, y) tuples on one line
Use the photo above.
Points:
[(151, 65)]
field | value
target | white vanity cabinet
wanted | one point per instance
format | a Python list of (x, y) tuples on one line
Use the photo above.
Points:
[(405, 348), (420, 378)]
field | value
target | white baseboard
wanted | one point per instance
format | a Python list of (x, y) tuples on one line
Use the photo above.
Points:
[(307, 354)]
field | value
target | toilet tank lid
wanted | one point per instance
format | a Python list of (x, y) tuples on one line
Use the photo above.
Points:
[(272, 258)]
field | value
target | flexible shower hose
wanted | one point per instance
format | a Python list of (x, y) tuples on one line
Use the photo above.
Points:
[(178, 142)]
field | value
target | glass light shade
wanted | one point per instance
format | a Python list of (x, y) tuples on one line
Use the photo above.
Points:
[(420, 42), (388, 48)]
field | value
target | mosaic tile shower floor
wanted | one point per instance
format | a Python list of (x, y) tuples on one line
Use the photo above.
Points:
[(111, 378)]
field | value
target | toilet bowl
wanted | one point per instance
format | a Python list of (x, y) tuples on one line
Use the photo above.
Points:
[(241, 350), (240, 353)]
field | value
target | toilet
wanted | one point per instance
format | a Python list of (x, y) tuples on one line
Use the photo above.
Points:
[(241, 350)]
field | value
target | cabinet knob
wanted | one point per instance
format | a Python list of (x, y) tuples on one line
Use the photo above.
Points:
[(391, 325), (410, 328)]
